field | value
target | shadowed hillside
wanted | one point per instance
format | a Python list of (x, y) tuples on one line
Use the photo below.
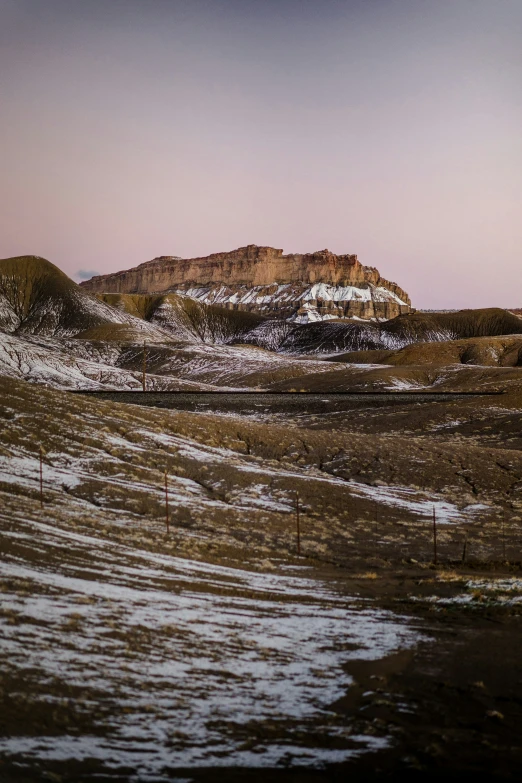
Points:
[(186, 318), (350, 336), (38, 298), (320, 337), (505, 351)]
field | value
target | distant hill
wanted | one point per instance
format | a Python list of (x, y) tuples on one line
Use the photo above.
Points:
[(503, 351), (435, 327), (38, 298), (185, 318), (303, 287), (349, 336)]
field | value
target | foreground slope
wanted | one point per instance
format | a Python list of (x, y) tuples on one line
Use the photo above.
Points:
[(234, 463), (133, 653)]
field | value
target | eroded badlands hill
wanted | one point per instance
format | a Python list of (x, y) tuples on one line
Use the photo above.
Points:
[(394, 334), (56, 333), (38, 298), (303, 287)]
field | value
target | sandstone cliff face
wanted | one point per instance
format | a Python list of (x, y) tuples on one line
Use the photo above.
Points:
[(310, 286)]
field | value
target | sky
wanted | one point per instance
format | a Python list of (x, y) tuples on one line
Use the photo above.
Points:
[(387, 128)]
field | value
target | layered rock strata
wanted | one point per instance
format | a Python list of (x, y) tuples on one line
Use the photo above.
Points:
[(303, 287)]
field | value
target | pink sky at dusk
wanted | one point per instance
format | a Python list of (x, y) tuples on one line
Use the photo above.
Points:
[(387, 128)]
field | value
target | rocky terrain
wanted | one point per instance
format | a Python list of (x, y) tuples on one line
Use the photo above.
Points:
[(415, 328), (37, 298), (310, 287), (53, 331), (163, 617), (213, 648)]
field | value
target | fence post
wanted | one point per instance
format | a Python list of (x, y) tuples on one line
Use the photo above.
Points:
[(434, 537), (144, 366), (167, 501), (504, 534), (464, 547), (298, 525), (42, 452)]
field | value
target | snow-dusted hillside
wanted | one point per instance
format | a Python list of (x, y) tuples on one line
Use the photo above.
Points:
[(355, 335), (79, 364), (184, 318), (97, 364), (37, 298), (152, 651), (297, 302)]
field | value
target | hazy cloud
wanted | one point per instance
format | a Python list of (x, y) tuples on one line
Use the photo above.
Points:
[(85, 274)]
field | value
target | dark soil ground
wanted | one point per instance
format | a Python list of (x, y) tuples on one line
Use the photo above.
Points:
[(464, 693), (452, 705)]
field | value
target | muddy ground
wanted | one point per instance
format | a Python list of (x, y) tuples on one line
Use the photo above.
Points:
[(422, 673)]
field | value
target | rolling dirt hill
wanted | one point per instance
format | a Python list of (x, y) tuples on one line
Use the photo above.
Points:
[(345, 336), (413, 378), (303, 287), (436, 327), (38, 298), (185, 318), (503, 351)]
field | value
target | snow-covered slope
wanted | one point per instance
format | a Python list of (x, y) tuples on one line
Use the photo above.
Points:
[(96, 364), (299, 302), (80, 364), (353, 335), (185, 318), (222, 365)]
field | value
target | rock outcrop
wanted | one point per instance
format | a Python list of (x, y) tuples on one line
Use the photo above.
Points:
[(302, 287)]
